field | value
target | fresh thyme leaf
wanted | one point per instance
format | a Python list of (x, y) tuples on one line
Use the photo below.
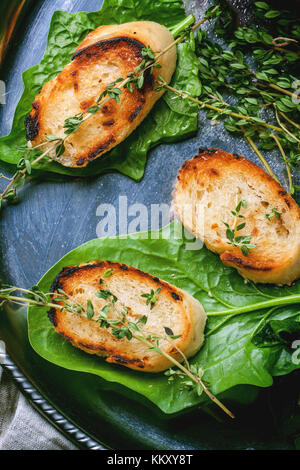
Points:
[(143, 320), (72, 124), (151, 298), (114, 94), (230, 234), (169, 372), (11, 196), (230, 77), (241, 241), (133, 326), (262, 5), (241, 226), (93, 109), (20, 182), (104, 294), (123, 332), (102, 319), (102, 95), (147, 52), (36, 294), (129, 86), (106, 309), (140, 81), (140, 67), (61, 291), (156, 349), (168, 331), (90, 312), (21, 163), (28, 167), (108, 273), (60, 149)]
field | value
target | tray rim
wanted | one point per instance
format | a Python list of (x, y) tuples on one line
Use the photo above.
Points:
[(64, 425)]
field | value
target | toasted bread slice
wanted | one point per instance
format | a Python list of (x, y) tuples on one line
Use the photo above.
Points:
[(173, 309), (106, 54), (211, 185)]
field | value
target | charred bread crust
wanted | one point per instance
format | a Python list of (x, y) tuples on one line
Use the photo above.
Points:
[(121, 46), (32, 124), (213, 158), (109, 44), (68, 272)]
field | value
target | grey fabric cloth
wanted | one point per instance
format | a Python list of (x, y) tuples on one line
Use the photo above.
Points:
[(21, 427)]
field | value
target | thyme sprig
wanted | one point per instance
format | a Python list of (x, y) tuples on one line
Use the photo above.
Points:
[(274, 213), (224, 110), (116, 320), (36, 297), (152, 297), (241, 241)]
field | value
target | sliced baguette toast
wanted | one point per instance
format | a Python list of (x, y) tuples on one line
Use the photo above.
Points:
[(173, 309), (211, 185), (106, 54)]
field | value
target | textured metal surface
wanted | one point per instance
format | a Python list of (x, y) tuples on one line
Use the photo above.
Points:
[(55, 217), (111, 414)]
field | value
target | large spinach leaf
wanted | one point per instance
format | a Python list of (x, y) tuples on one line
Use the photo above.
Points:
[(171, 119), (236, 350)]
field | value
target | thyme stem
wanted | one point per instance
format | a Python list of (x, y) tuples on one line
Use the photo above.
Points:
[(29, 302), (6, 177), (219, 110), (289, 120), (22, 173), (285, 161), (282, 90), (282, 126), (262, 158), (188, 373)]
